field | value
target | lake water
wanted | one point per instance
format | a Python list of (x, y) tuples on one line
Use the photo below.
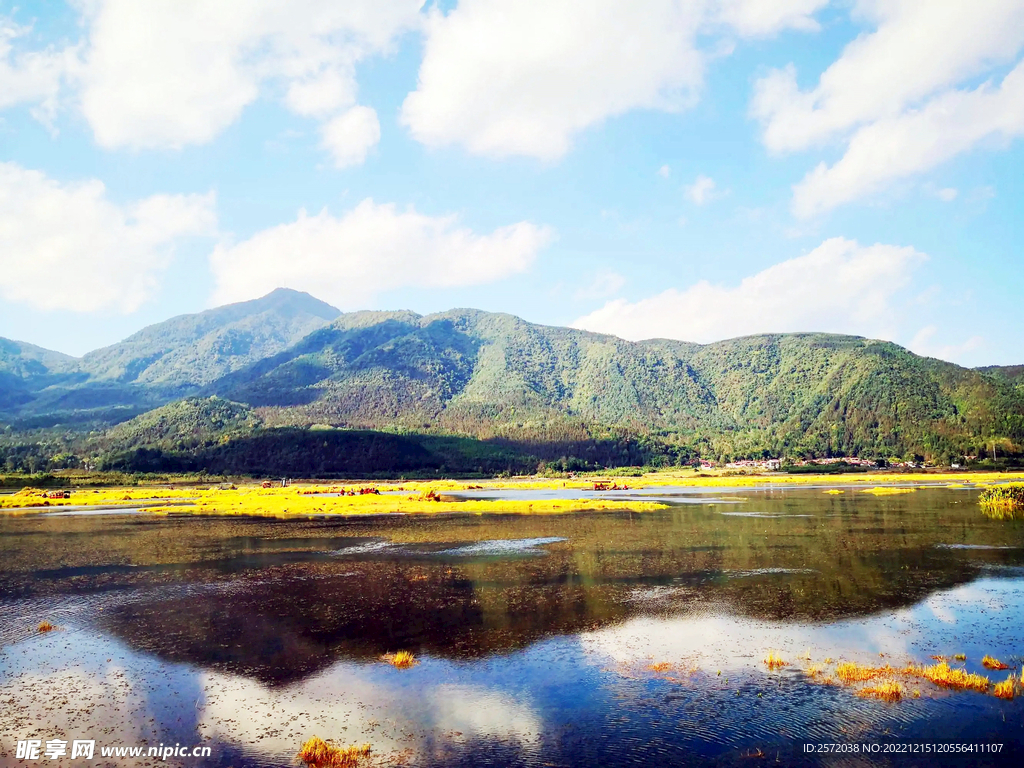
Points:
[(535, 635)]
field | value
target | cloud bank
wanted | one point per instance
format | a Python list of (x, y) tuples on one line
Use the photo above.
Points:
[(840, 286), (371, 248), (892, 97), (68, 246)]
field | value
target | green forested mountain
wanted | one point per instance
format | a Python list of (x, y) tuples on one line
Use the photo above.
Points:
[(25, 368), (1011, 373), (492, 375), (162, 362), (285, 368), (193, 350)]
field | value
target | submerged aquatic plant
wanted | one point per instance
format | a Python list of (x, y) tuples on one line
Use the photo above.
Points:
[(960, 656), (774, 662), (317, 753), (45, 626), (888, 690), (661, 666), (989, 663), (400, 660)]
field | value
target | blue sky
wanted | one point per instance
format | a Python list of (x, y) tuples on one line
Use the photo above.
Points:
[(694, 170)]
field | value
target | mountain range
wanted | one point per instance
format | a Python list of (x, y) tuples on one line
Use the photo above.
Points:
[(290, 365)]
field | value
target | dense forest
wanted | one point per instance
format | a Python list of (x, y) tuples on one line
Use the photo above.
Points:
[(287, 384)]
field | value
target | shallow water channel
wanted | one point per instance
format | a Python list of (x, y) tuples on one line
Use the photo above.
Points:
[(611, 638)]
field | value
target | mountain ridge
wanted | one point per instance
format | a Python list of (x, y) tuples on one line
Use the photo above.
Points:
[(296, 362)]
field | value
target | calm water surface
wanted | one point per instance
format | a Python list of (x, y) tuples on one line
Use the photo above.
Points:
[(535, 635)]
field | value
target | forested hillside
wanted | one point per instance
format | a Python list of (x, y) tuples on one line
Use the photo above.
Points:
[(160, 363), (490, 375), (269, 375)]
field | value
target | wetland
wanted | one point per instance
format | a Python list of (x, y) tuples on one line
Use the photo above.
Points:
[(678, 626)]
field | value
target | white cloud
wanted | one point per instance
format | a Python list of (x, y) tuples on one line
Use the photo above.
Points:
[(322, 94), (525, 78), (901, 146), (369, 249), (603, 284), (32, 77), (664, 171), (758, 18), (919, 48), (840, 286), (351, 135), (67, 246), (947, 194), (166, 73), (499, 78), (892, 82), (701, 191)]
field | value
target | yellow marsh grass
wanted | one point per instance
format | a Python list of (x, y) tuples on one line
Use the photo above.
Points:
[(888, 491), (45, 626), (834, 491), (773, 662), (989, 663), (317, 753), (35, 497), (851, 672), (946, 676), (661, 666), (1006, 689), (888, 690), (960, 656), (299, 500), (941, 674), (400, 660)]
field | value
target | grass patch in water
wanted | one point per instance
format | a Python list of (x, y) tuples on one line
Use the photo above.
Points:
[(1003, 502), (989, 663), (941, 674), (45, 626), (946, 676), (400, 660), (852, 672), (880, 491), (888, 690), (774, 662), (1006, 689), (317, 753)]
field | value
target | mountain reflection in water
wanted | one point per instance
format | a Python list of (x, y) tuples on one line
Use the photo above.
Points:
[(527, 622)]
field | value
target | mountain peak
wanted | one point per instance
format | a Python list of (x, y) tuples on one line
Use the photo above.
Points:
[(290, 300), (190, 351)]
